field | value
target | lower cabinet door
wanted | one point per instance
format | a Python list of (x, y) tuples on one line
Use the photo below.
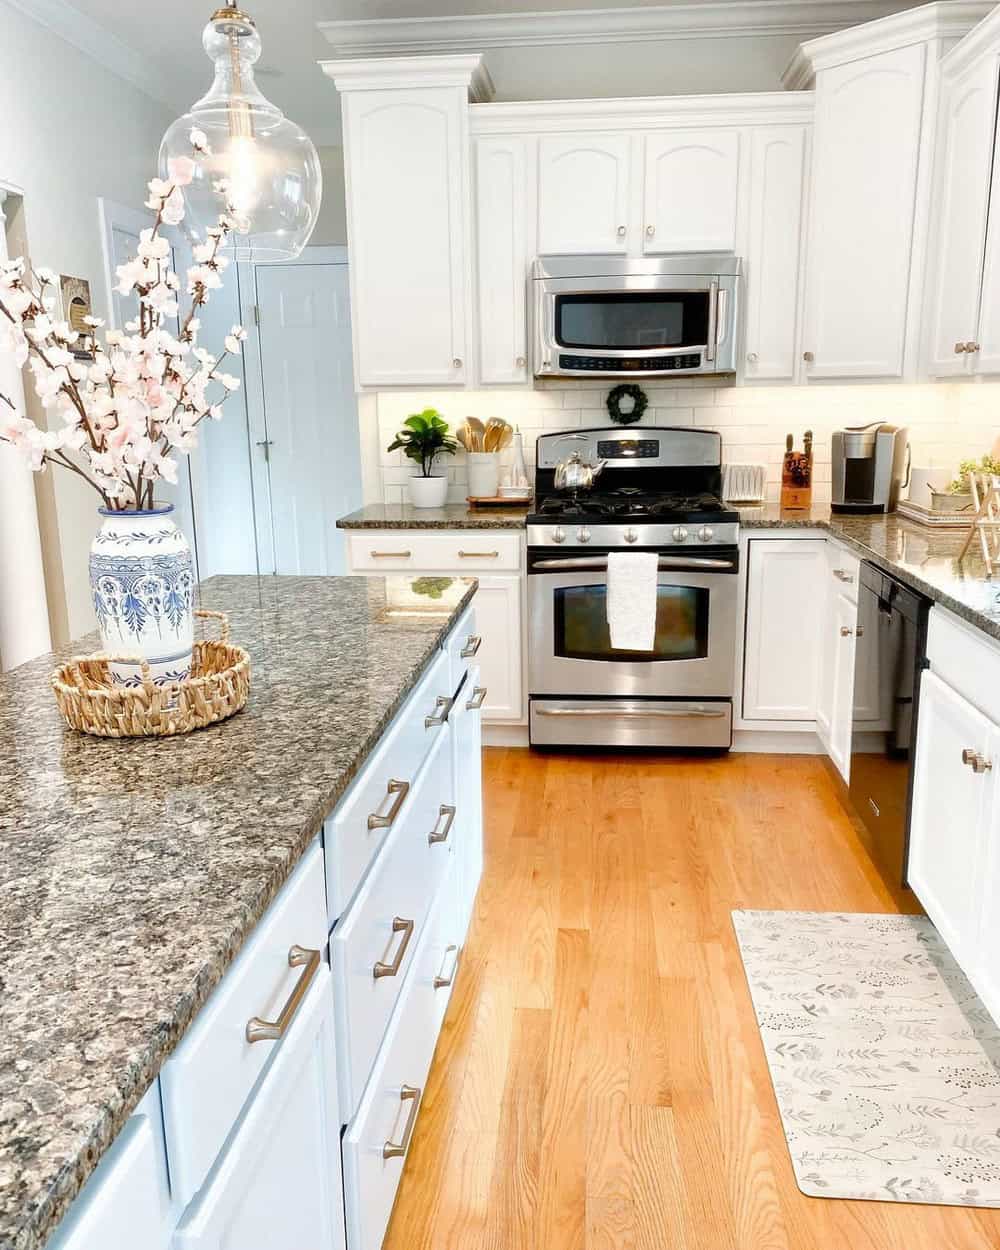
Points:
[(278, 1184), (498, 621), (845, 616), (468, 739), (377, 1141), (986, 975), (951, 805)]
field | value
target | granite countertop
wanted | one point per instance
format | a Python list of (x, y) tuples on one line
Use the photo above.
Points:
[(132, 871), (924, 558), (453, 516)]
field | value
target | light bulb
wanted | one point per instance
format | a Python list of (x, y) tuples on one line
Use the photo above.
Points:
[(269, 165)]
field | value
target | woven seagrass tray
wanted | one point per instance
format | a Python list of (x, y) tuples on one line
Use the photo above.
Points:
[(217, 688)]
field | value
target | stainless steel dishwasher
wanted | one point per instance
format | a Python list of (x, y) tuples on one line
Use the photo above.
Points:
[(890, 656)]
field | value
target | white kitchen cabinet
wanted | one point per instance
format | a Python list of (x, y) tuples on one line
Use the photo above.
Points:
[(835, 703), (690, 190), (786, 592), (777, 175), (498, 619), (279, 1183), (407, 183), (502, 252), (468, 746), (583, 193), (951, 815), (869, 123)]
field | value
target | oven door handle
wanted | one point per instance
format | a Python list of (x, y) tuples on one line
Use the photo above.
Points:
[(665, 564), (634, 713)]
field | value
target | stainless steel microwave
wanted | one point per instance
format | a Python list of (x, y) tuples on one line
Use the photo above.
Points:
[(623, 317)]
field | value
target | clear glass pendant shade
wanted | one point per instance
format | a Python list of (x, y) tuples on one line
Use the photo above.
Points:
[(268, 162)]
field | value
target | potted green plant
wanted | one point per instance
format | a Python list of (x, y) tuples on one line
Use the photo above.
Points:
[(422, 439), (958, 497)]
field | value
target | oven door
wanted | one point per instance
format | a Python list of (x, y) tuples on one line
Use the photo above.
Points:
[(570, 650)]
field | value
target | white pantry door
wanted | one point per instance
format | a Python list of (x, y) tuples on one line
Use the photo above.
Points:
[(303, 413)]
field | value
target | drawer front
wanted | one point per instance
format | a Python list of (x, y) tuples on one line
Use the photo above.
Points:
[(373, 947), (376, 1142), (462, 645), (845, 569), (965, 658), (380, 795), (458, 551), (207, 1079)]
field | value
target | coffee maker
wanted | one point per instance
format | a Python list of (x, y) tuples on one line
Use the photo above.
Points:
[(870, 465)]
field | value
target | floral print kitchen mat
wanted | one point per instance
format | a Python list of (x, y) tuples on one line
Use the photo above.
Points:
[(885, 1064)]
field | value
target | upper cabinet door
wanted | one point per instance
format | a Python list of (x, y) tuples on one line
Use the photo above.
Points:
[(865, 155), (406, 195), (962, 187), (502, 255), (583, 182), (987, 358), (689, 199), (777, 166)]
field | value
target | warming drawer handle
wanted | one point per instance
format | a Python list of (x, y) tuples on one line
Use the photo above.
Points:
[(442, 982), (447, 810), (399, 925), (665, 565), (400, 789), (635, 713), (259, 1030), (396, 1150)]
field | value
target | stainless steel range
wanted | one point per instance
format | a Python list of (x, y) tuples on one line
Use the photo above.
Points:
[(658, 491)]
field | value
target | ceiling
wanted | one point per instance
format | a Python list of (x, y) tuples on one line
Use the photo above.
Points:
[(161, 42)]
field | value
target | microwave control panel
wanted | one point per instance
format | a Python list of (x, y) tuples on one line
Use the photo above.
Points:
[(631, 364)]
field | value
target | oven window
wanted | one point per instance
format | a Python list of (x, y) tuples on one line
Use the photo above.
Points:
[(632, 322), (581, 624)]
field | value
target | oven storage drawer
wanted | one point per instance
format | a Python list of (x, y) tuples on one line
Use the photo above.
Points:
[(631, 723)]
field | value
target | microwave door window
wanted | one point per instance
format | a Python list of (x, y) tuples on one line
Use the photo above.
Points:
[(632, 322), (581, 625)]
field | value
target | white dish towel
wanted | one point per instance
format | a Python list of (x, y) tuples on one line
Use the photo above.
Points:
[(632, 600)]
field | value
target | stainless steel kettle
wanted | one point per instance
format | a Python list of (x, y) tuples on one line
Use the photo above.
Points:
[(575, 473)]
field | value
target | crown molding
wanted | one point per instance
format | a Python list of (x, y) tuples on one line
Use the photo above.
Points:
[(980, 40), (705, 19), (943, 20), (377, 73), (89, 37), (643, 112)]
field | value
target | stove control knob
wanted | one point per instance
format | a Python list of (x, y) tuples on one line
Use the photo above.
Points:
[(631, 536), (558, 534), (680, 534), (583, 534), (706, 534)]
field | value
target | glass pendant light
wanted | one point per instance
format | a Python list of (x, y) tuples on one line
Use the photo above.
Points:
[(268, 162)]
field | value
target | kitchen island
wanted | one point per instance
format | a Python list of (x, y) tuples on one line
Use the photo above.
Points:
[(133, 871)]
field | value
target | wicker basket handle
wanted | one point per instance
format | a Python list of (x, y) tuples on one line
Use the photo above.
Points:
[(206, 614), (144, 672)]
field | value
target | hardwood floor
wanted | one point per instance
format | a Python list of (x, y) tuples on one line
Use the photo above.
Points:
[(600, 1083)]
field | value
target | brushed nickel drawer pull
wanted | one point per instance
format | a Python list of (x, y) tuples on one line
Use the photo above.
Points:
[(444, 706), (842, 575), (396, 1150), (390, 969), (479, 555), (259, 1030), (400, 789), (391, 555), (447, 810), (442, 982), (471, 648), (478, 698)]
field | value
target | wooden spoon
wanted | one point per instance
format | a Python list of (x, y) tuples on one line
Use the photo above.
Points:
[(478, 432), (464, 436), (493, 439)]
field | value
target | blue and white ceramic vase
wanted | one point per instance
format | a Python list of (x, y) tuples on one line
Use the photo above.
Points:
[(142, 582)]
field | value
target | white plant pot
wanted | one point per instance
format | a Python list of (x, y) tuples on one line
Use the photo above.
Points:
[(142, 582), (429, 492)]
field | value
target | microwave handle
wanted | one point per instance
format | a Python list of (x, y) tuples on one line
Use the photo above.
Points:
[(713, 319), (722, 317)]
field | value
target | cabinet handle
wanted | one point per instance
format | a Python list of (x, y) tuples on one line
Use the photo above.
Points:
[(441, 982), (859, 631), (400, 789), (978, 763), (972, 347), (448, 811), (391, 555), (472, 645), (478, 698), (842, 575), (808, 357), (259, 1030), (959, 348), (650, 231), (752, 358), (479, 555), (520, 362), (444, 706), (620, 232), (389, 970), (846, 631), (396, 1150), (457, 362)]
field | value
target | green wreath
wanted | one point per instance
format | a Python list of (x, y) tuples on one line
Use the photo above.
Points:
[(640, 402)]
